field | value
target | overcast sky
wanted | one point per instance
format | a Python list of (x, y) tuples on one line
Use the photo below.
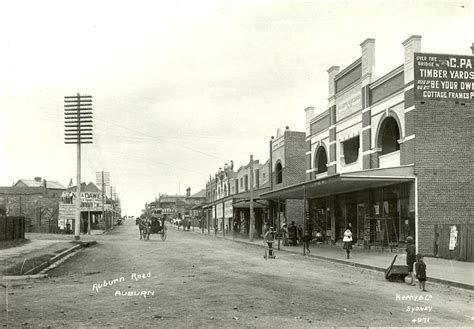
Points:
[(181, 87)]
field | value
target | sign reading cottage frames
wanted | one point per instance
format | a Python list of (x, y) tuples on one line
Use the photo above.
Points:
[(444, 77)]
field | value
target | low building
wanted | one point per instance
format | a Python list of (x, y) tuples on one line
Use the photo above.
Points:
[(37, 200), (97, 211)]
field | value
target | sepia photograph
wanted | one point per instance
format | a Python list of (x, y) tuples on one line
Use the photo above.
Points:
[(236, 163)]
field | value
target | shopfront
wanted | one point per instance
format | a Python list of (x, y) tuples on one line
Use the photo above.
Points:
[(378, 204), (242, 216)]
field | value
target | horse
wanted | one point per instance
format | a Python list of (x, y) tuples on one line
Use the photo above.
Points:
[(144, 228)]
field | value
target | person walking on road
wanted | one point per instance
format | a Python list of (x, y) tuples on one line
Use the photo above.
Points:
[(348, 240), (268, 238), (420, 271), (411, 259)]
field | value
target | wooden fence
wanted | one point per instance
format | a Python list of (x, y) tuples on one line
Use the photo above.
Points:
[(12, 227), (455, 241)]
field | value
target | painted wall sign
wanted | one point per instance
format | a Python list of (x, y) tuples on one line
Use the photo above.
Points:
[(228, 210), (220, 210), (453, 237), (444, 77), (85, 196)]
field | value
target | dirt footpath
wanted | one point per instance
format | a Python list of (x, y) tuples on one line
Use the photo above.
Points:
[(197, 281), (29, 259)]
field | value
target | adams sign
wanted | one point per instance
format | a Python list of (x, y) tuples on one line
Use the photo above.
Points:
[(444, 77)]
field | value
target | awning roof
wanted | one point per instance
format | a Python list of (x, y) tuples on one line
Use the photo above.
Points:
[(344, 183), (246, 204)]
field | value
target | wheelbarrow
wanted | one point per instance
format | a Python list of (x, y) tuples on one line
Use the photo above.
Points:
[(396, 272), (269, 252)]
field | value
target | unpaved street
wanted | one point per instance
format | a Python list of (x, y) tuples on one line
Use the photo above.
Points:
[(192, 280)]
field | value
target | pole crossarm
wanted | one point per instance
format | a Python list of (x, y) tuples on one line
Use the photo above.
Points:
[(78, 119)]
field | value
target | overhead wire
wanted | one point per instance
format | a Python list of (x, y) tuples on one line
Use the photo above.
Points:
[(50, 111)]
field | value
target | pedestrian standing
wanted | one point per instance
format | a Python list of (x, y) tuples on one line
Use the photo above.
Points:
[(411, 258), (348, 240), (292, 233), (299, 233), (266, 227), (307, 237), (284, 233), (420, 271)]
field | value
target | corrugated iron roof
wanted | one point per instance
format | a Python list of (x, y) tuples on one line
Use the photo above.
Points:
[(200, 194), (24, 190), (35, 183)]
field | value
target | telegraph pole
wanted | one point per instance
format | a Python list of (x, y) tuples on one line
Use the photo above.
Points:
[(78, 130), (103, 202), (252, 215)]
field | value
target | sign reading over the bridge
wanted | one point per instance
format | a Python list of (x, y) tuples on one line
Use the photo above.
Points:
[(444, 77)]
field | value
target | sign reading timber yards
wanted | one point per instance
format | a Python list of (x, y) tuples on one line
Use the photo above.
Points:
[(444, 77)]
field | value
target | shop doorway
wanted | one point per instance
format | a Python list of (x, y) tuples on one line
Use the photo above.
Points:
[(359, 233)]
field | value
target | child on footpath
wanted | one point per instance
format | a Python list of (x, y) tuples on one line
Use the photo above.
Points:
[(420, 268), (411, 259), (306, 240)]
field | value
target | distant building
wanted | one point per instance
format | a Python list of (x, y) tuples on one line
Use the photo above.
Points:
[(172, 206), (228, 198), (96, 208), (194, 203)]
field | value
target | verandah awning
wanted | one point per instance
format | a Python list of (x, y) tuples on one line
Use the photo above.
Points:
[(344, 183), (246, 204)]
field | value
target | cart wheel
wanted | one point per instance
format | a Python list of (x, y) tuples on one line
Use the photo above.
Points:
[(163, 236)]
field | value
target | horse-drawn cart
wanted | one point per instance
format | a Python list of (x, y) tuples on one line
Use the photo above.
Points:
[(158, 227), (153, 226)]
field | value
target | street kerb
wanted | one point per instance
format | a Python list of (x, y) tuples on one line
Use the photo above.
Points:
[(351, 263), (32, 272)]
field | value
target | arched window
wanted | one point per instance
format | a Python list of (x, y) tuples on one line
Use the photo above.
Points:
[(321, 161), (279, 173), (389, 136)]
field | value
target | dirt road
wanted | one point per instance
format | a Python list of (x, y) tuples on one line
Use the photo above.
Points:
[(192, 280)]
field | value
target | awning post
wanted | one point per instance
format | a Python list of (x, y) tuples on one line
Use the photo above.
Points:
[(279, 227)]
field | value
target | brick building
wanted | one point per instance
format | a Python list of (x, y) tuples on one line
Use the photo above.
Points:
[(228, 198), (287, 167), (194, 203), (392, 155), (37, 200), (172, 206)]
